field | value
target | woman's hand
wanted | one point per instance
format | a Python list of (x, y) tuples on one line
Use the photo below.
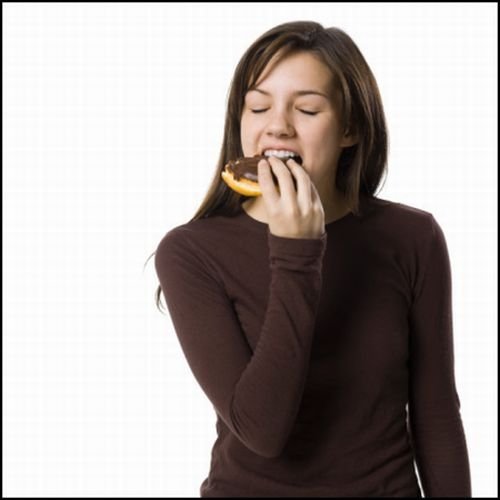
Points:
[(290, 213)]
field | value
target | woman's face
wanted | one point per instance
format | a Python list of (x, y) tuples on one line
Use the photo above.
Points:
[(287, 119)]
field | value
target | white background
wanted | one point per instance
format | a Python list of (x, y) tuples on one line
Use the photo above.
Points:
[(112, 125)]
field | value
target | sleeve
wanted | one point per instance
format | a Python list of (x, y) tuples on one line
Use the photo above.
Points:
[(256, 394), (435, 423)]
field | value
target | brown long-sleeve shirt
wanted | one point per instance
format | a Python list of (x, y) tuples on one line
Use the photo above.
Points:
[(313, 353)]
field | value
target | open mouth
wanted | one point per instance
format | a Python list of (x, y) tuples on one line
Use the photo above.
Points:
[(296, 158)]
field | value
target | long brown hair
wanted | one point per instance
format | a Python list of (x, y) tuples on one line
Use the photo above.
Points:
[(361, 166)]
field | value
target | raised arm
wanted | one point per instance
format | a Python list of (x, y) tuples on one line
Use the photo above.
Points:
[(256, 394)]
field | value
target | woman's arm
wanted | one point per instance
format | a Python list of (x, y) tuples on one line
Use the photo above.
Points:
[(434, 406), (256, 394)]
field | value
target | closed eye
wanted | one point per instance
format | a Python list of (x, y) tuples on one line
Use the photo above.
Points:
[(301, 110)]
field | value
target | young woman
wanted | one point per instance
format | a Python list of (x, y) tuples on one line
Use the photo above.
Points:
[(316, 317)]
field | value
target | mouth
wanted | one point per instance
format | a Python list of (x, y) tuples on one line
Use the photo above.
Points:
[(295, 157)]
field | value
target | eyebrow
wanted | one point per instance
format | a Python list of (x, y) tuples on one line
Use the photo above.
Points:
[(298, 92)]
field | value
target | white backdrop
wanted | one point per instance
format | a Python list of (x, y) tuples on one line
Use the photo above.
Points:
[(113, 119)]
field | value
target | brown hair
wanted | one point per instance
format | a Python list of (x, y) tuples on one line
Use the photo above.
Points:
[(361, 166)]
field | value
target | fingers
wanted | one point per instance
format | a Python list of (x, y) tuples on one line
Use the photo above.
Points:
[(270, 194), (306, 191), (285, 179), (305, 195)]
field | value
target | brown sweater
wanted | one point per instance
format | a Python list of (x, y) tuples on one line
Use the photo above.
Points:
[(310, 351)]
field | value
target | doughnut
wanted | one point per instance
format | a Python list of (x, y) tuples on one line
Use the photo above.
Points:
[(241, 175)]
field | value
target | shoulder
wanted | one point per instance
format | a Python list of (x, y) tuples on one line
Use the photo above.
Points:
[(409, 230), (401, 218), (180, 243), (420, 222), (176, 240), (400, 211), (197, 235), (194, 245), (415, 237)]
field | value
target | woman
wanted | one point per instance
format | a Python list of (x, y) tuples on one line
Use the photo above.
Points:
[(317, 320)]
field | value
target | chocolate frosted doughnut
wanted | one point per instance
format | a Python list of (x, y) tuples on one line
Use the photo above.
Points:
[(245, 167), (241, 175)]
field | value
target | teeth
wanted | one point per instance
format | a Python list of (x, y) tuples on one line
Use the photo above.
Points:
[(279, 153)]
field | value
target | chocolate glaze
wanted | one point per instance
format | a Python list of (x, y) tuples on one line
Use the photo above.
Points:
[(247, 167)]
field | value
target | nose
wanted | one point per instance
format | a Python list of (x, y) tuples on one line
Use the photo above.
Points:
[(279, 124)]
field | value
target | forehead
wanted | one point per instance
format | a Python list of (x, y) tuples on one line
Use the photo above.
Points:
[(299, 73)]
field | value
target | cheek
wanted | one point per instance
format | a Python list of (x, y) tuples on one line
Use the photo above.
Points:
[(246, 137), (249, 129), (248, 121), (313, 141), (318, 136)]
